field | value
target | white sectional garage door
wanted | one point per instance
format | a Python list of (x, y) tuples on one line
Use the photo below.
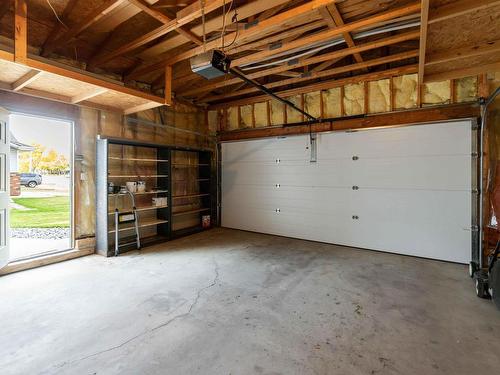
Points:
[(404, 190)]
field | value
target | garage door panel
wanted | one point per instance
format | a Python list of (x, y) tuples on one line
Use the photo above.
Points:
[(432, 172), (414, 193)]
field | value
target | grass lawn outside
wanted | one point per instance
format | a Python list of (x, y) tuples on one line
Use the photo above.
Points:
[(52, 212)]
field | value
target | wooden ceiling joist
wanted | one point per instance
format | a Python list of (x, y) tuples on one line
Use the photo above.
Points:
[(20, 31), (146, 8), (322, 74), (331, 56), (424, 15), (86, 96), (25, 80), (464, 52), (460, 73), (458, 8), (104, 9), (184, 18), (325, 85), (56, 30), (159, 50), (243, 36), (334, 19)]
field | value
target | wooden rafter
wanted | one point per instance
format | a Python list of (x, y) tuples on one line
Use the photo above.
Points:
[(58, 28), (465, 72), (20, 31), (182, 19), (424, 15), (322, 74), (88, 95), (324, 85), (160, 50), (458, 8), (334, 19), (299, 43), (94, 16), (331, 56), (26, 79), (463, 52), (145, 7)]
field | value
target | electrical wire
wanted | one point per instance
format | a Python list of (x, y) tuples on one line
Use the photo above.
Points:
[(55, 14)]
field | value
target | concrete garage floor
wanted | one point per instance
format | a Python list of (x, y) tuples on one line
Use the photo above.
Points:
[(231, 302)]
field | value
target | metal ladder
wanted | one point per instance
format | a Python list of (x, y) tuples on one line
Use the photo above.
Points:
[(125, 218)]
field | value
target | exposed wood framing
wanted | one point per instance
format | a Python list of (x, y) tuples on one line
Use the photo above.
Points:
[(322, 74), (424, 15), (409, 69), (458, 8), (89, 95), (20, 31), (172, 25), (328, 57), (416, 116), (334, 19), (104, 9), (4, 8), (145, 7), (243, 36), (168, 85), (25, 80), (460, 73), (56, 30), (139, 108), (464, 52)]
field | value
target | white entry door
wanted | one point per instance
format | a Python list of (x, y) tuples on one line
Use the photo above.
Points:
[(404, 190), (4, 187)]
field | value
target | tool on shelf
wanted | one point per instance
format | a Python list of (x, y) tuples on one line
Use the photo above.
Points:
[(126, 217)]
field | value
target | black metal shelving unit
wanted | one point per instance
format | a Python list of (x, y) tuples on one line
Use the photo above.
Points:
[(119, 161)]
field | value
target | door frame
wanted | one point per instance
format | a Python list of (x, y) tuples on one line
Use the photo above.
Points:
[(55, 255)]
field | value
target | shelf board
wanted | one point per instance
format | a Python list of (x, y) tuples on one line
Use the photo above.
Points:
[(189, 196), (190, 211), (138, 159), (190, 165), (140, 209), (138, 176), (145, 192), (144, 224)]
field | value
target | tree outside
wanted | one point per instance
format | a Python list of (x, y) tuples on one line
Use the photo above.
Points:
[(43, 160)]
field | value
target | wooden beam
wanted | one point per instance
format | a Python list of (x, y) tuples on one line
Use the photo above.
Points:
[(25, 80), (88, 95), (281, 19), (331, 56), (156, 33), (142, 107), (324, 85), (79, 75), (168, 85), (424, 15), (159, 51), (104, 9), (197, 8), (461, 73), (321, 74), (59, 27), (400, 118), (20, 31), (458, 8), (473, 50), (146, 8), (333, 18)]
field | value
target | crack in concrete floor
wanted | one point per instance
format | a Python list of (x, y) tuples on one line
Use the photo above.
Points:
[(155, 328)]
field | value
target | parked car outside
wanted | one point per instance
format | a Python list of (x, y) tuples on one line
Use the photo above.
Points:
[(31, 179)]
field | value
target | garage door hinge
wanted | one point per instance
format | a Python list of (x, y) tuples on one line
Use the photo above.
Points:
[(475, 125), (474, 228), (474, 154), (475, 191)]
